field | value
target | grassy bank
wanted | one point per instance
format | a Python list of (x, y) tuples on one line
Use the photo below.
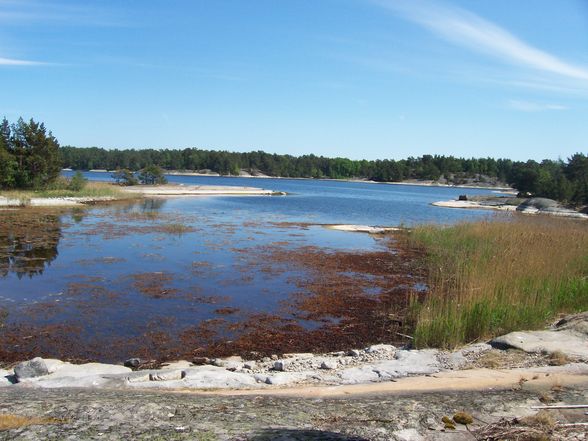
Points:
[(98, 190), (490, 278)]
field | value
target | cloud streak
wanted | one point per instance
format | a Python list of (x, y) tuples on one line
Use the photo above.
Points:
[(15, 62), (472, 31), (528, 106)]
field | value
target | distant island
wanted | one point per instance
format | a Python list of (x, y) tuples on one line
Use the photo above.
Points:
[(565, 181)]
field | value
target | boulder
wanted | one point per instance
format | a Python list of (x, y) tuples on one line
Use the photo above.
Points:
[(570, 343), (133, 363), (31, 369), (575, 323), (329, 364), (280, 365)]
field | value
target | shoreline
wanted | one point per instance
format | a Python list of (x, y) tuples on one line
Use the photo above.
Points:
[(168, 190), (366, 181), (561, 349), (504, 207)]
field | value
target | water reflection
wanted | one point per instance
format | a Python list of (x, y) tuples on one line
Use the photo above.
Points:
[(28, 241)]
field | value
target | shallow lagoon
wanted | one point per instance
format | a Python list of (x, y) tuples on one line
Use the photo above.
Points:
[(181, 277)]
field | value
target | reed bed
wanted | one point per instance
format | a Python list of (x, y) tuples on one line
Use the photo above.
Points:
[(90, 190), (493, 277)]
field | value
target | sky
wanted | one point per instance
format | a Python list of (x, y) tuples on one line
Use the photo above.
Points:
[(363, 79)]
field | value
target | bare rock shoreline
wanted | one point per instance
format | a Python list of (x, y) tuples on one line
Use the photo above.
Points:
[(390, 394), (566, 342), (524, 206)]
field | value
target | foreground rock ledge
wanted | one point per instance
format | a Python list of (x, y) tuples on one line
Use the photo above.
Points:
[(565, 346)]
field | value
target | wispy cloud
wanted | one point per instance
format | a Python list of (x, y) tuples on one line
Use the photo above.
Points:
[(529, 106), (464, 28), (24, 12), (15, 62)]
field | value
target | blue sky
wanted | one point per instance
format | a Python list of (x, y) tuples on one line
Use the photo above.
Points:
[(355, 78)]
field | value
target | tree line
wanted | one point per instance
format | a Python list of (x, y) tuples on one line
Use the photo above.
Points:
[(561, 180), (30, 157)]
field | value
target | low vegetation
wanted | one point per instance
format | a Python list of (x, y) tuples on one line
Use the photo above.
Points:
[(61, 189), (493, 277)]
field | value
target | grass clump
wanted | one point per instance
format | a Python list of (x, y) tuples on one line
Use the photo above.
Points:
[(490, 278), (64, 188)]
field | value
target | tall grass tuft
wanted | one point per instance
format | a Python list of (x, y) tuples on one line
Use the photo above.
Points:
[(493, 277), (61, 189)]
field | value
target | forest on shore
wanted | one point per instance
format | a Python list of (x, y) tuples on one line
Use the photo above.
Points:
[(31, 157), (560, 180)]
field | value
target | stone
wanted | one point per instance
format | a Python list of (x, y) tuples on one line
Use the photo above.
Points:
[(198, 361), (133, 363), (575, 323), (31, 369), (571, 344), (249, 365), (280, 365), (329, 364), (229, 363), (380, 348), (166, 375), (354, 353)]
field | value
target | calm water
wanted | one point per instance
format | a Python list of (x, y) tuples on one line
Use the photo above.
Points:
[(142, 273)]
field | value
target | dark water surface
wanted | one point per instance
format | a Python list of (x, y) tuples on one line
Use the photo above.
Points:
[(181, 277)]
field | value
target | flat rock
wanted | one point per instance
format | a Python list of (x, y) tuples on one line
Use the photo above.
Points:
[(88, 369), (357, 375), (214, 377), (408, 363), (408, 435), (570, 343), (166, 375), (31, 369), (285, 378)]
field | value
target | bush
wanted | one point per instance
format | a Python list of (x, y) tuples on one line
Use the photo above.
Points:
[(124, 177), (77, 182), (152, 175)]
